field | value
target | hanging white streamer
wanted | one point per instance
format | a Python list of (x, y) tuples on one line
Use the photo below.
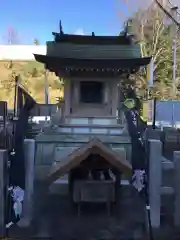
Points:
[(138, 180), (18, 197)]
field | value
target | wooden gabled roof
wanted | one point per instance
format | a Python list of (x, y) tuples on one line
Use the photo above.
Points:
[(94, 146)]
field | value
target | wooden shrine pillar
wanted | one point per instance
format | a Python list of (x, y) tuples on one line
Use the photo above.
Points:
[(67, 97), (114, 97)]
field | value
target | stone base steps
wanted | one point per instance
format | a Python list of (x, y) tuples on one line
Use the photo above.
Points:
[(110, 126), (95, 120), (43, 231), (47, 224), (136, 233), (92, 129), (74, 139)]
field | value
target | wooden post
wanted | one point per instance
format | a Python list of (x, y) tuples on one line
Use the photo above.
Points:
[(3, 182), (177, 188), (155, 178)]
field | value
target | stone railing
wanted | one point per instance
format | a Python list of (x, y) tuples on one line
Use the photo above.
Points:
[(164, 180), (29, 150), (3, 172), (171, 141), (170, 138)]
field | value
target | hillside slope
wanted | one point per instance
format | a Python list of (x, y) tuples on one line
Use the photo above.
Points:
[(32, 79)]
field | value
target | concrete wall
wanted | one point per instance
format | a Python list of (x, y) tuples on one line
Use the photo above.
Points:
[(167, 112), (20, 52)]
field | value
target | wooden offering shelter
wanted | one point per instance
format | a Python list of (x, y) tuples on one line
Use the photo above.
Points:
[(94, 173)]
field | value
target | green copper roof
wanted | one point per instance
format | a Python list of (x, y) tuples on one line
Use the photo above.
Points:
[(88, 51)]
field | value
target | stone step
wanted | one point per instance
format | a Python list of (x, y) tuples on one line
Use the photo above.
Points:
[(95, 120), (55, 137), (113, 126), (44, 232), (92, 129)]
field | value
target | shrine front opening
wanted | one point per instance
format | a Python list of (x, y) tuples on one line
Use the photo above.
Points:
[(91, 92)]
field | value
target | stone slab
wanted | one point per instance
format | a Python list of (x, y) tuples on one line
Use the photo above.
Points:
[(83, 138)]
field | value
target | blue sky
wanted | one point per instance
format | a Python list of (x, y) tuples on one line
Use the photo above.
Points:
[(38, 18)]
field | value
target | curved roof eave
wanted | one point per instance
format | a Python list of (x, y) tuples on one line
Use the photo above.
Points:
[(96, 63)]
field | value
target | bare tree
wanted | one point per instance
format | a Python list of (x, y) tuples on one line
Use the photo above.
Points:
[(169, 9), (36, 41), (165, 5), (132, 6), (11, 36), (152, 31)]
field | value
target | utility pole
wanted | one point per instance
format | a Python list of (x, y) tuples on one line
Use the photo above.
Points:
[(174, 48), (46, 87), (46, 91), (174, 59)]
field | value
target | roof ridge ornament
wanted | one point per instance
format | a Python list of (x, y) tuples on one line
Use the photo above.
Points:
[(60, 28)]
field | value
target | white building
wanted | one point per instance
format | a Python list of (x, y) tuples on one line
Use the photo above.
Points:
[(20, 52)]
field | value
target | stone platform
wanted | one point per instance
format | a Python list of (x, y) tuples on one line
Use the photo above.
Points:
[(56, 218)]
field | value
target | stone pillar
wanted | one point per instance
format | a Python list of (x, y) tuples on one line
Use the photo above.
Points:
[(29, 150), (155, 178), (3, 182), (177, 188)]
